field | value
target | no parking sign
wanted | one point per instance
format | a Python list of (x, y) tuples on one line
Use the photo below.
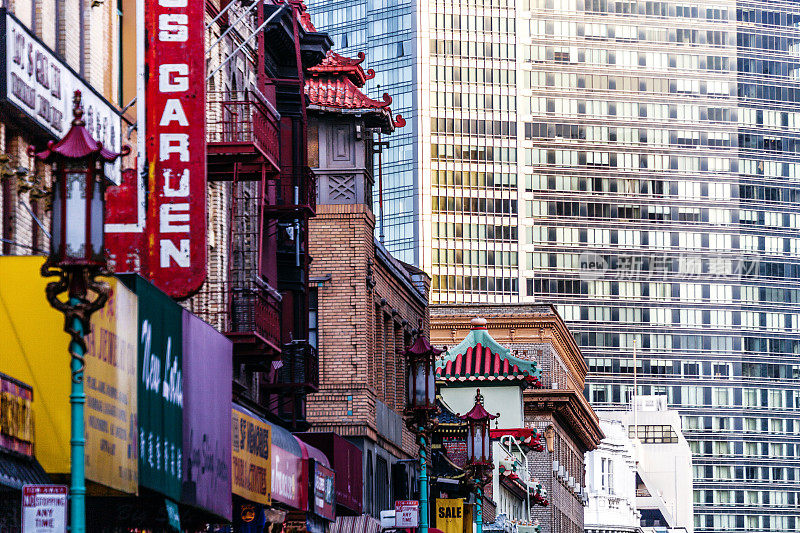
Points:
[(406, 513), (44, 509)]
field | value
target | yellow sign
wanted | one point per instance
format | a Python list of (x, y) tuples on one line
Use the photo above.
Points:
[(111, 425), (468, 517), (251, 469), (450, 515), (35, 351), (16, 416)]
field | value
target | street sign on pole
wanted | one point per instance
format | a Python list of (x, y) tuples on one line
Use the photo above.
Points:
[(44, 509), (406, 513)]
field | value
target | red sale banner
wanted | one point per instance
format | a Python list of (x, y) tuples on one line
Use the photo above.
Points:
[(175, 145)]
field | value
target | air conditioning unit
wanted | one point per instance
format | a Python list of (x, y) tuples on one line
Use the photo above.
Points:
[(555, 466), (562, 472), (571, 482)]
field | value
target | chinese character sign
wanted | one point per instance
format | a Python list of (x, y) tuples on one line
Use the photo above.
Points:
[(251, 468), (160, 388)]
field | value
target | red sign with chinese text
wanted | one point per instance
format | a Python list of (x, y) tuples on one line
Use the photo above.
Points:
[(176, 145)]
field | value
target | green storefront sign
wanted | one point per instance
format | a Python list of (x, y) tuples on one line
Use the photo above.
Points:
[(160, 388)]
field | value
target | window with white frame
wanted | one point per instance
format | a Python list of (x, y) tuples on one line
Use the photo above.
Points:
[(607, 475)]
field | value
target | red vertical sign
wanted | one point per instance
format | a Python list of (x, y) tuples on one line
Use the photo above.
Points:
[(176, 145)]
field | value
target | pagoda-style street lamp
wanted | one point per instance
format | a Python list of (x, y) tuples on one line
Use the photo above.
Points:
[(421, 411), (77, 257), (479, 452)]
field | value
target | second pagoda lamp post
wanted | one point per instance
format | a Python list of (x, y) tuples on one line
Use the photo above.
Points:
[(479, 452), (421, 411), (77, 257)]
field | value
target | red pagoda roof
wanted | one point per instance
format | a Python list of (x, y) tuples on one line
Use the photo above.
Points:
[(336, 83), (529, 437), (338, 65), (480, 363), (481, 358)]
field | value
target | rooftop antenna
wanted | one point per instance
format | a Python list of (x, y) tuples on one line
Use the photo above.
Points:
[(380, 146)]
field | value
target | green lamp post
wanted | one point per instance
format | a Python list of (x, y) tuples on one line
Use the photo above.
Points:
[(421, 411), (77, 257)]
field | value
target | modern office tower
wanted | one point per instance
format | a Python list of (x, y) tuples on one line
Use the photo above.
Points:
[(659, 173), (636, 163), (386, 31)]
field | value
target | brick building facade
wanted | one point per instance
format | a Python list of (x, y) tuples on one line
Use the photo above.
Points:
[(366, 305), (537, 333)]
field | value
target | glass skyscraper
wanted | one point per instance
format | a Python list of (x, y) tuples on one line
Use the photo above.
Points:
[(386, 31), (636, 163)]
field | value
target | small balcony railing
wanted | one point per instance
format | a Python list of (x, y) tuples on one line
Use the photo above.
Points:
[(245, 312), (300, 366), (294, 192), (244, 124)]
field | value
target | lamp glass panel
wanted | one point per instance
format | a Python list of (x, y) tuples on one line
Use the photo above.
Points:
[(431, 384), (58, 215), (487, 450), (410, 386), (419, 392), (470, 446), (477, 442), (98, 215), (75, 216)]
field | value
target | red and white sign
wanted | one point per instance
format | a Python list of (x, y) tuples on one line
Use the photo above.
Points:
[(176, 145), (406, 513), (44, 509)]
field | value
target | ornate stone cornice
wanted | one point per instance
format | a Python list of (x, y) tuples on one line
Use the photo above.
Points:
[(570, 407)]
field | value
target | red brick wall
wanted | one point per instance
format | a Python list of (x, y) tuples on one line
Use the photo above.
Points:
[(361, 328)]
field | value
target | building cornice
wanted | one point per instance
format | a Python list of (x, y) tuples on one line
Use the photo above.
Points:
[(515, 327), (572, 408)]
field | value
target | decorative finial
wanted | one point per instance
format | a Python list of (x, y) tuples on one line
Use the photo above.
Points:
[(478, 397), (478, 323), (77, 110)]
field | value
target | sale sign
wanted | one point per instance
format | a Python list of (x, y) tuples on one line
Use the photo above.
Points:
[(44, 509), (175, 145)]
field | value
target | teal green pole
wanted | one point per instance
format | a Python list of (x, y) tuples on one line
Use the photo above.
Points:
[(479, 511), (77, 399), (423, 486)]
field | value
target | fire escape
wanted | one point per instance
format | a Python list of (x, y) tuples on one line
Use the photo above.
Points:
[(295, 46), (257, 149)]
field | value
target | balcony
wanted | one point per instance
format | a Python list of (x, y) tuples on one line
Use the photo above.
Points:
[(293, 194), (296, 378), (243, 136), (248, 314)]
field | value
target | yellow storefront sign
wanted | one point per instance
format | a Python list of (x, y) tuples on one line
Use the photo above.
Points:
[(110, 385), (35, 352), (251, 469), (16, 417), (450, 515)]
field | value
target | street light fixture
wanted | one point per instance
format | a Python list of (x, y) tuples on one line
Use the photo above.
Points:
[(77, 257), (479, 451), (421, 410)]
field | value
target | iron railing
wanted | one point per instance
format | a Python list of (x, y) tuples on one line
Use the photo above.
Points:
[(243, 118), (300, 366), (239, 309), (294, 190)]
